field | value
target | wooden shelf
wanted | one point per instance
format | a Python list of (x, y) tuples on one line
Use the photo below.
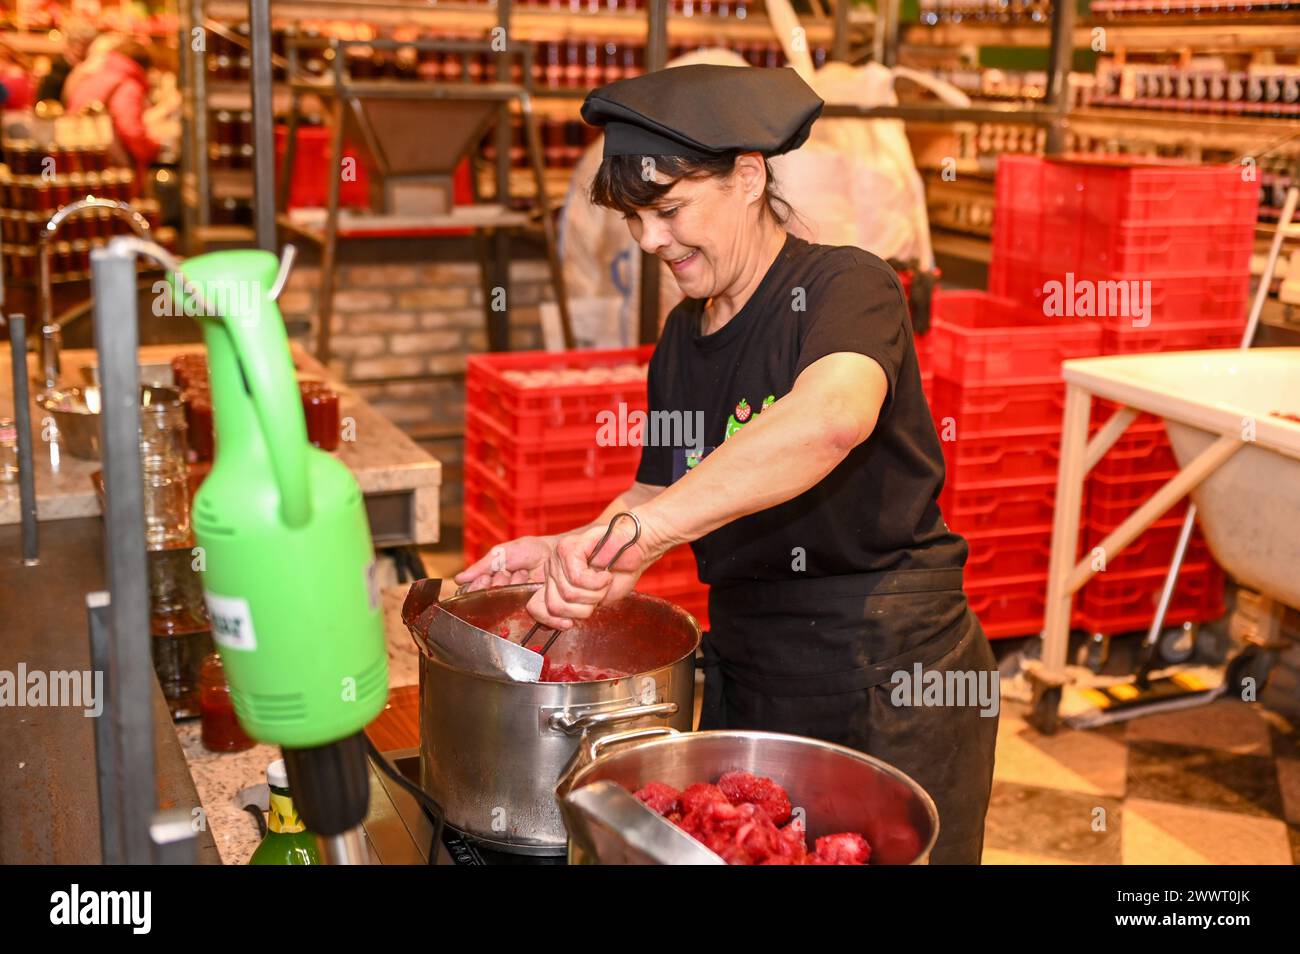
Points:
[(973, 248), (967, 34), (1243, 34), (1159, 126), (528, 23), (522, 184)]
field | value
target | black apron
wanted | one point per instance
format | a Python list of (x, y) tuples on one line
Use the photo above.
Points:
[(816, 657)]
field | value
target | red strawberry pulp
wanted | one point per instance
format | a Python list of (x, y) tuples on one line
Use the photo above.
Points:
[(746, 820)]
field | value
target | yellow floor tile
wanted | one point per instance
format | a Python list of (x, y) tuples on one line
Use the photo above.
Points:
[(1162, 833), (1075, 761)]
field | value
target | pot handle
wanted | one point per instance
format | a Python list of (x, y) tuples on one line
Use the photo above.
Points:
[(590, 747), (600, 742), (571, 725)]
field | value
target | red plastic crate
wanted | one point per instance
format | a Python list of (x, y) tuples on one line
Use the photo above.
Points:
[(1169, 300), (1138, 453), (994, 555), (997, 407), (1151, 250), (1154, 548), (486, 495), (533, 473), (1125, 189), (1009, 606), (979, 338), (1014, 455), (1163, 335), (1108, 497), (560, 412), (1001, 506), (1114, 602), (1168, 192)]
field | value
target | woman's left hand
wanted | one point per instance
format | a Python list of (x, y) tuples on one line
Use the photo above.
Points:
[(574, 587)]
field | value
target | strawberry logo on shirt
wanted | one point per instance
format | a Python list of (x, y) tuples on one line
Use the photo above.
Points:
[(744, 412)]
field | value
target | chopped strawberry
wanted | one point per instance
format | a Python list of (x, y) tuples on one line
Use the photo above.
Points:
[(660, 797), (735, 819), (845, 848), (744, 787), (700, 794)]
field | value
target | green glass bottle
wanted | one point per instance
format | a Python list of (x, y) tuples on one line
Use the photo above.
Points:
[(287, 841)]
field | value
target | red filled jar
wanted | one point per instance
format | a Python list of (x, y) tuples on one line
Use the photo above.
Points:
[(190, 371), (320, 406), (221, 731), (198, 423)]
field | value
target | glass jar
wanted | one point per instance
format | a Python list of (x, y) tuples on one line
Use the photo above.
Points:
[(179, 627), (221, 730), (320, 406), (164, 463)]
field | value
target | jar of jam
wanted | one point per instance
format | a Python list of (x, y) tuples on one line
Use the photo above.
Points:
[(320, 407), (221, 731), (198, 422)]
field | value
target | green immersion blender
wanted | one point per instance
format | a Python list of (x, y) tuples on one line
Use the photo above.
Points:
[(288, 560)]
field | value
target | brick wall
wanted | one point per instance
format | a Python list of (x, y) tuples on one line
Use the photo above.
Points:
[(410, 310)]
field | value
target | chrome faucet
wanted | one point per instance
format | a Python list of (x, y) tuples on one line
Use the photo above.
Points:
[(51, 331)]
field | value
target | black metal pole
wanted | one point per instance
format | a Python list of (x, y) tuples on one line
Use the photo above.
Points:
[(259, 25), (113, 278), (1059, 59), (498, 320)]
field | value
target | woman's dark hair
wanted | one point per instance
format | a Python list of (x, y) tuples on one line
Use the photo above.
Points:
[(621, 182)]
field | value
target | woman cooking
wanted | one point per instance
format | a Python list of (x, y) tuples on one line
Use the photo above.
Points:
[(812, 505)]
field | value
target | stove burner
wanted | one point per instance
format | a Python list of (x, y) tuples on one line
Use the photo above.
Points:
[(460, 849)]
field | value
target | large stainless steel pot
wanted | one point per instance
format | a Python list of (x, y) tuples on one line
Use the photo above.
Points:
[(492, 750), (837, 788)]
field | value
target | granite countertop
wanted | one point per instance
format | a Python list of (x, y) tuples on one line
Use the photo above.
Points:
[(219, 777), (382, 458)]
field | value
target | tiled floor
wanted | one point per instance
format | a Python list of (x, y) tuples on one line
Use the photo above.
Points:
[(1215, 785), (1218, 784)]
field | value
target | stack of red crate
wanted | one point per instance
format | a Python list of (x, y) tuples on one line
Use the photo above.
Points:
[(535, 462), (997, 401), (1164, 252)]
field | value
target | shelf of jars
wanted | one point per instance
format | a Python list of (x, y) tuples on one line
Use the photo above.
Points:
[(689, 20), (1138, 25), (60, 162), (576, 46)]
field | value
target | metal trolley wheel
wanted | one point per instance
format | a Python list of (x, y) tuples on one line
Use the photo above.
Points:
[(1177, 644)]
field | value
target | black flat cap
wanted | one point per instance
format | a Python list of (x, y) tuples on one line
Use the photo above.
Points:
[(704, 111)]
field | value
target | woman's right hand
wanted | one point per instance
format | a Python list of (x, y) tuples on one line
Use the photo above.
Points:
[(518, 561)]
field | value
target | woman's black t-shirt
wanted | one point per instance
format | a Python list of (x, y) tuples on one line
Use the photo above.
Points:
[(878, 510)]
